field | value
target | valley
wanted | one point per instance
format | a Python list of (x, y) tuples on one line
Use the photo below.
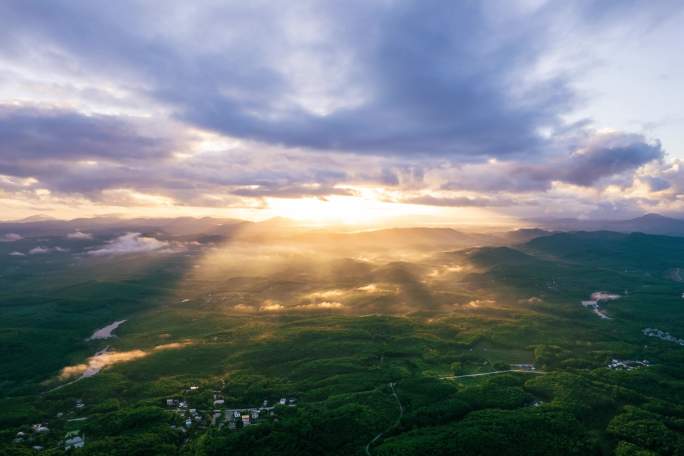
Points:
[(483, 348)]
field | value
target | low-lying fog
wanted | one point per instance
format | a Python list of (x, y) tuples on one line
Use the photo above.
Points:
[(397, 271), (270, 267)]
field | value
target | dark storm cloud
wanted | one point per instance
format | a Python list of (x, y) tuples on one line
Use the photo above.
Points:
[(433, 77), (399, 89), (29, 134), (437, 79), (656, 184), (610, 156), (599, 156)]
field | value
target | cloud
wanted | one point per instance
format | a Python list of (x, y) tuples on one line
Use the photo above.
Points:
[(417, 78), (40, 250), (98, 362), (112, 107), (656, 183), (11, 237), (33, 133), (593, 158), (133, 243), (101, 360), (15, 253), (295, 191), (79, 235), (173, 345), (606, 155), (459, 201), (271, 306), (320, 305)]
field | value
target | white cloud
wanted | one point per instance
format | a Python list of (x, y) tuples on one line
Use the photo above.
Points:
[(79, 235), (134, 243), (321, 305), (15, 253), (42, 250), (11, 237), (105, 358)]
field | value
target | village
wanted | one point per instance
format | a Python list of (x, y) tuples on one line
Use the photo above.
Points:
[(219, 415), (627, 364), (40, 433), (662, 335), (194, 412)]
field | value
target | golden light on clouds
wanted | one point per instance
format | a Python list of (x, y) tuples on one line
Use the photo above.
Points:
[(364, 207), (371, 207)]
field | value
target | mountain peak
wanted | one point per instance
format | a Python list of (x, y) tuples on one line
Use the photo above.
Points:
[(653, 216), (37, 218)]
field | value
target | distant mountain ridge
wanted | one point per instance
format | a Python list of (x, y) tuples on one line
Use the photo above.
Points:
[(181, 226), (417, 236), (648, 224)]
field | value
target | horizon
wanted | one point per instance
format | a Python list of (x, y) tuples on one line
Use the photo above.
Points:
[(474, 227), (341, 228)]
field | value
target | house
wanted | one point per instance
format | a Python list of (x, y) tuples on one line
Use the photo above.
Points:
[(245, 420), (236, 414), (171, 402), (283, 401), (73, 440), (194, 388), (219, 402), (254, 414), (80, 404), (188, 422), (40, 428)]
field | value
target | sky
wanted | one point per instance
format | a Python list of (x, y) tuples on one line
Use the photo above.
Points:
[(357, 112)]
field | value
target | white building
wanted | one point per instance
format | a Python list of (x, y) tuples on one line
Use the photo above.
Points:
[(40, 428), (74, 442)]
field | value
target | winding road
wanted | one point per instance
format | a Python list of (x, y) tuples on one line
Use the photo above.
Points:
[(395, 424), (523, 371)]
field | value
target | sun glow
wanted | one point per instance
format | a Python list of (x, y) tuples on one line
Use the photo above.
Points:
[(367, 210), (343, 210)]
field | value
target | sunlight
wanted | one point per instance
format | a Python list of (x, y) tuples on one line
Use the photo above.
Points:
[(344, 210), (367, 210)]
